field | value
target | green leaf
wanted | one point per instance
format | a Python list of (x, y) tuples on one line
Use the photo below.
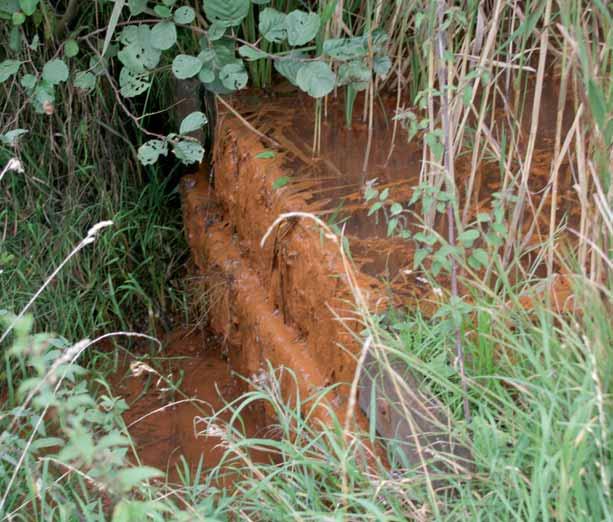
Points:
[(71, 48), (163, 35), (8, 68), (391, 226), (302, 27), (192, 122), (184, 15), (384, 195), (419, 256), (234, 76), (468, 237), (481, 256), (206, 75), (28, 81), (150, 151), (345, 49), (289, 67), (162, 11), (137, 6), (11, 137), (251, 53), (188, 152), (355, 74), (185, 66), (382, 65), (316, 78), (266, 154), (272, 25), (131, 477), (396, 209), (28, 6), (18, 18), (132, 84), (228, 12), (55, 71), (280, 182), (85, 81), (216, 31)]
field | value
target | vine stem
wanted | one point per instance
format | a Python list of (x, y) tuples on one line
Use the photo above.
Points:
[(449, 169)]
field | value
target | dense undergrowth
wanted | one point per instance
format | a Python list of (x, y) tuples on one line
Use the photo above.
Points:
[(537, 377)]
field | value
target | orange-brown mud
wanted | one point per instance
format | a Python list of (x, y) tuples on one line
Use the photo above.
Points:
[(163, 421), (289, 303)]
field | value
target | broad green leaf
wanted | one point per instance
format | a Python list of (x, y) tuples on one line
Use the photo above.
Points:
[(163, 35), (280, 182), (355, 73), (131, 477), (216, 31), (185, 66), (288, 67), (206, 75), (15, 40), (55, 71), (137, 6), (234, 76), (228, 12), (188, 151), (382, 65), (272, 25), (251, 53), (8, 68), (346, 48), (150, 151), (391, 226), (71, 48), (316, 78), (28, 6), (162, 11), (85, 81), (302, 27), (28, 81), (192, 122), (184, 15), (132, 84)]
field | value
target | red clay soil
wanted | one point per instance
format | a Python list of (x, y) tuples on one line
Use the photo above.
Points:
[(162, 423)]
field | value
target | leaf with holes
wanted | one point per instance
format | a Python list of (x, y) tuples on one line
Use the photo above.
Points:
[(316, 78), (132, 84), (163, 35), (192, 122), (184, 15), (234, 76), (188, 152), (185, 66), (302, 27), (228, 12), (272, 25), (150, 151)]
